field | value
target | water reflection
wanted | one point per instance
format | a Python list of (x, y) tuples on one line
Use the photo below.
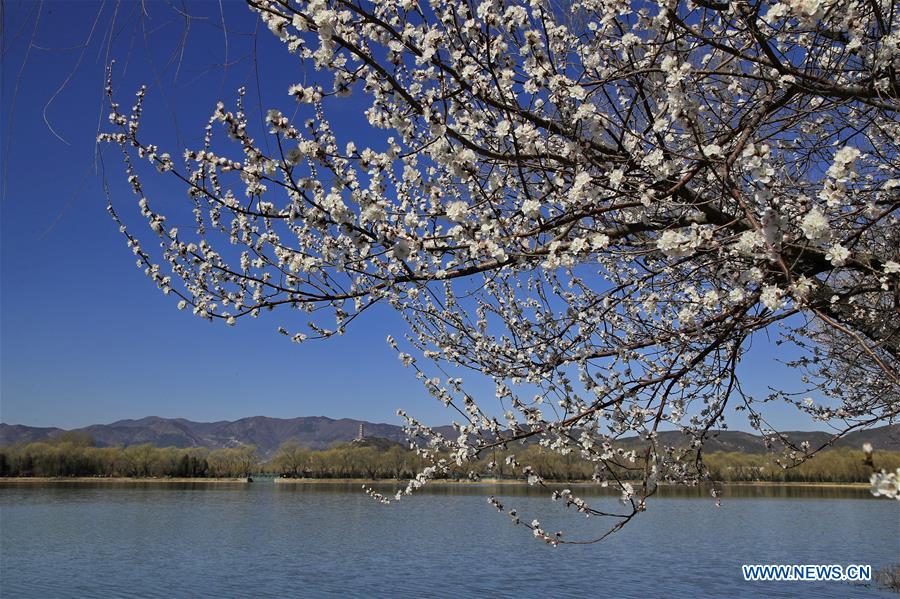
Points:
[(513, 489), (730, 491)]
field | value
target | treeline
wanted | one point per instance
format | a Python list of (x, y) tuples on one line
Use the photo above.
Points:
[(76, 456), (842, 465), (830, 466), (345, 461)]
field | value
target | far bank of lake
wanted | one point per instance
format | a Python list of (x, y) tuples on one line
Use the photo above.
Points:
[(389, 481)]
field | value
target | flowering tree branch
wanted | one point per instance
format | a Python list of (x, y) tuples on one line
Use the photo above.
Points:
[(597, 206)]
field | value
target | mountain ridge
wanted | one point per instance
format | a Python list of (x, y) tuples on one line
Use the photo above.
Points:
[(320, 432), (316, 432)]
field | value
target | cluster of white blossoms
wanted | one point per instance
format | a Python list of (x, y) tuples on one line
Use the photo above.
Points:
[(597, 209), (886, 484), (815, 226)]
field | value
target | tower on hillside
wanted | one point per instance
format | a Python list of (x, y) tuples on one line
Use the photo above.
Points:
[(361, 435)]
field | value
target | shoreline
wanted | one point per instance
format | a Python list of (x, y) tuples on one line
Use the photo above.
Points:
[(116, 479), (581, 483), (386, 481)]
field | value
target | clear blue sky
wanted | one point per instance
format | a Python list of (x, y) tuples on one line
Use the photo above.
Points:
[(86, 338)]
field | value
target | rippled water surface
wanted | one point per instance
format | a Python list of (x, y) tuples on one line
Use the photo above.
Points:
[(277, 540)]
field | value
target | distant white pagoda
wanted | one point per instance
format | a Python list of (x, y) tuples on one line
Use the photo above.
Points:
[(361, 435)]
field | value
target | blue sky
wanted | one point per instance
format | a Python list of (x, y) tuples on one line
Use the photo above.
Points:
[(84, 336)]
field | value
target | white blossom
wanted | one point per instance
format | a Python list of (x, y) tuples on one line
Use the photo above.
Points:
[(531, 208), (844, 160), (837, 254), (457, 211), (815, 226), (886, 484), (674, 244), (771, 297)]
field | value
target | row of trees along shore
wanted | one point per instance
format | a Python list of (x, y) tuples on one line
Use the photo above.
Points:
[(75, 455)]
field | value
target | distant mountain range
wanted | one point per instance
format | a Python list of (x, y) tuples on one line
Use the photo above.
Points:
[(267, 434), (319, 432)]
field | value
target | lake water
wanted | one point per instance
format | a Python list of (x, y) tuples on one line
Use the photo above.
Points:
[(278, 540)]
